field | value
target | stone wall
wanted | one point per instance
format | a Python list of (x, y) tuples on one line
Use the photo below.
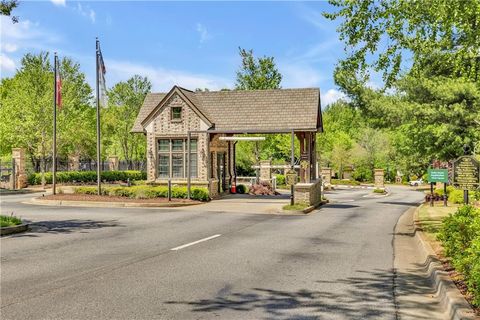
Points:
[(308, 193), (19, 180)]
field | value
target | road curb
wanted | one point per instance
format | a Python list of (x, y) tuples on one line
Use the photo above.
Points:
[(13, 229), (105, 204), (452, 300)]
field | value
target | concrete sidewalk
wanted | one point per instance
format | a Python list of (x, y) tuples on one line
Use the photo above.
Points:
[(423, 290)]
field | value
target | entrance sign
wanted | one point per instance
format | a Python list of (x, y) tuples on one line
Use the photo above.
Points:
[(291, 177), (466, 173), (438, 175)]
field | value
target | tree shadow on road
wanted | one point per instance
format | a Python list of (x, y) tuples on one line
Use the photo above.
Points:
[(64, 227), (370, 295)]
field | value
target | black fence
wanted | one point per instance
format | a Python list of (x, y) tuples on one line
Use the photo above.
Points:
[(5, 170), (83, 165)]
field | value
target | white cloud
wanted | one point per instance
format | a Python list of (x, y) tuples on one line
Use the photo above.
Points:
[(203, 32), (8, 47), (25, 35), (331, 96), (59, 2), (6, 64), (86, 12), (163, 79), (299, 75)]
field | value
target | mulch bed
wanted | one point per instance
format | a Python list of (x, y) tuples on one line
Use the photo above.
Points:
[(92, 197)]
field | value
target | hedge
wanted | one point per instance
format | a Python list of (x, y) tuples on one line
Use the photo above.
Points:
[(460, 236), (280, 179), (345, 182), (87, 176), (148, 192)]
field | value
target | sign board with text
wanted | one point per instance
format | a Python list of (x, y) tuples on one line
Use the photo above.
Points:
[(438, 175), (466, 173)]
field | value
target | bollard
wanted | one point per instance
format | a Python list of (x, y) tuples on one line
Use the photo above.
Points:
[(169, 190)]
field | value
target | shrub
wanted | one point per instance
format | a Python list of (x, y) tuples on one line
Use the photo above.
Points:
[(148, 192), (440, 192), (456, 196), (345, 182), (241, 188), (87, 176), (460, 236), (7, 221), (280, 179)]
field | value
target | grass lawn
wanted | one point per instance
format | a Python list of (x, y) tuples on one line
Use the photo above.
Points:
[(8, 221), (430, 220), (296, 207)]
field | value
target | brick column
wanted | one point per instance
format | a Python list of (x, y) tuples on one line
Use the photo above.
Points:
[(327, 175), (379, 178), (74, 163), (113, 163), (265, 170), (18, 156)]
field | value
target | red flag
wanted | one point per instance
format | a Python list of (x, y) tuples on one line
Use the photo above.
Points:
[(58, 83)]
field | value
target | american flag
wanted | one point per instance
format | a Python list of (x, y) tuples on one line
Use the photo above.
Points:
[(58, 84), (101, 77)]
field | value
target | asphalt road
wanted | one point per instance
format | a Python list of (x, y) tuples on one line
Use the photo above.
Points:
[(105, 263)]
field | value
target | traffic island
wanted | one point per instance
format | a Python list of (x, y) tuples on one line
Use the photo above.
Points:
[(11, 224)]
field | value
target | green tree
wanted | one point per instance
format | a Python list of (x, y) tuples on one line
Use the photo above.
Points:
[(257, 73), (125, 100), (440, 37), (6, 8), (26, 112)]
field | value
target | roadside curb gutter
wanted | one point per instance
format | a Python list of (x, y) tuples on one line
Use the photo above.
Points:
[(13, 229), (432, 288)]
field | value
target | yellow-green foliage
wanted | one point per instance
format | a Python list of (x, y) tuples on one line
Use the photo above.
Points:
[(460, 236)]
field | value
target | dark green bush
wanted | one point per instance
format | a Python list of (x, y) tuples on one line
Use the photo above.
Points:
[(345, 182), (148, 192), (87, 176), (241, 188), (280, 179), (460, 236)]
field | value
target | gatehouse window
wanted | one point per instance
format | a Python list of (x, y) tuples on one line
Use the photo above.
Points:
[(172, 158), (176, 113)]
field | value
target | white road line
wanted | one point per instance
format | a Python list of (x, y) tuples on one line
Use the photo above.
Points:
[(195, 242)]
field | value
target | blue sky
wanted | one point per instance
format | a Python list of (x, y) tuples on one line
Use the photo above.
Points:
[(192, 44)]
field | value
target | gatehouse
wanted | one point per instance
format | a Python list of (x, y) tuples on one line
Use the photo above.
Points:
[(186, 134)]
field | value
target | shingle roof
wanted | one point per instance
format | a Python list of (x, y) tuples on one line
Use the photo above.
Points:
[(151, 101), (250, 110)]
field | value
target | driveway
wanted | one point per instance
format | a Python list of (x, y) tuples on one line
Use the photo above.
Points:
[(203, 262)]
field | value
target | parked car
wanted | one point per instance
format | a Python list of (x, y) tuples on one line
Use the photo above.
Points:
[(416, 183)]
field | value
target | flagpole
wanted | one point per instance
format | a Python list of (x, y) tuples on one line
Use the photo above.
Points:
[(98, 124), (54, 156)]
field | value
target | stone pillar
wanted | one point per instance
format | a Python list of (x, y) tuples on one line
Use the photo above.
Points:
[(327, 175), (308, 193), (20, 178), (347, 173), (113, 163), (265, 170), (379, 178), (73, 163)]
